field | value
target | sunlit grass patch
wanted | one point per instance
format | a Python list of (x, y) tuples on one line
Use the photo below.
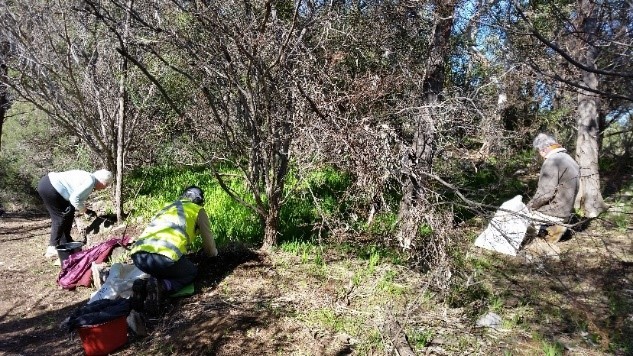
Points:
[(152, 188), (420, 338), (552, 348), (388, 284), (330, 319)]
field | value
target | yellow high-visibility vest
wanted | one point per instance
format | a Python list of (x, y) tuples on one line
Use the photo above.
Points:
[(171, 231)]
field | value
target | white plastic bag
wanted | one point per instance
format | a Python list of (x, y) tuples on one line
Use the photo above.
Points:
[(119, 282), (506, 230)]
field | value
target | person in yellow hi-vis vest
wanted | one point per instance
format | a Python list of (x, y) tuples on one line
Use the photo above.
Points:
[(160, 250)]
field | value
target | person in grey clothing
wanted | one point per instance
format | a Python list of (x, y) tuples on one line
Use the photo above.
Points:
[(558, 184), (63, 194)]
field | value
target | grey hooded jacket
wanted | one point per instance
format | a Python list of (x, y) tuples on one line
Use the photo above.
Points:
[(557, 185)]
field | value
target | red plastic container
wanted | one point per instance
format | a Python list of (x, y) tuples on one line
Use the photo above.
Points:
[(104, 338)]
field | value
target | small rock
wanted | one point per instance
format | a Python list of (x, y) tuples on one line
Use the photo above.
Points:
[(490, 320)]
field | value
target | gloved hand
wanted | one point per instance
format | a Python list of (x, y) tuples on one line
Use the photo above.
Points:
[(91, 213)]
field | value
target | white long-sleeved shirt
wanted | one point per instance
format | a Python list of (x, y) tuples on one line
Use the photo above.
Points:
[(74, 186)]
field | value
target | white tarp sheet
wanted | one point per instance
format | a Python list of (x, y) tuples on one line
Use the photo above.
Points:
[(506, 230)]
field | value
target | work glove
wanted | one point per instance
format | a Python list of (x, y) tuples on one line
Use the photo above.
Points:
[(91, 213)]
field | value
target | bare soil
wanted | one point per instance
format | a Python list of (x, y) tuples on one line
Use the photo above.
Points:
[(577, 294)]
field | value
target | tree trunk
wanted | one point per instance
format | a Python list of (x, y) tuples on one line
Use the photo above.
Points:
[(4, 94), (120, 139), (419, 157), (271, 224), (589, 197), (275, 184)]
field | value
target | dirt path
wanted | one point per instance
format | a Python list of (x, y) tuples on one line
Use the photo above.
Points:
[(249, 303), (31, 304)]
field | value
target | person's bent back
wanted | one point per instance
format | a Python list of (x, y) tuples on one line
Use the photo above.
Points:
[(160, 250)]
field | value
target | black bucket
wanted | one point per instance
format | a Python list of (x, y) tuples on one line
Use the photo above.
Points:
[(65, 250)]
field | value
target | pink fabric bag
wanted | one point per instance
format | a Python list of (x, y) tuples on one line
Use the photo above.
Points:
[(76, 268)]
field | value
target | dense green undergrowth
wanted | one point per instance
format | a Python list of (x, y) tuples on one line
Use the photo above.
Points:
[(311, 199)]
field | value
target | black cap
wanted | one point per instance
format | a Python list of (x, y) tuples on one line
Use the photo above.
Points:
[(193, 193)]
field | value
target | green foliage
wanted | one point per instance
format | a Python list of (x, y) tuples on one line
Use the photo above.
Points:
[(149, 189), (462, 295), (424, 230), (384, 224), (313, 199), (619, 307), (328, 318), (152, 188), (366, 251), (496, 304), (30, 149), (496, 175), (387, 284), (553, 349), (420, 338)]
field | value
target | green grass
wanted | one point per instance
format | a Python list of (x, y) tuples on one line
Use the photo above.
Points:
[(496, 304), (388, 285), (552, 349), (420, 338), (329, 319), (309, 200), (153, 188)]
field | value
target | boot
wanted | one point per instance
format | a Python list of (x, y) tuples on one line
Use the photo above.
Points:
[(554, 233), (155, 297), (139, 294), (136, 323)]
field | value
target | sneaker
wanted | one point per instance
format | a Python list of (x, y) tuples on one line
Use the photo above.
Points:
[(155, 297), (136, 323), (139, 294), (51, 251)]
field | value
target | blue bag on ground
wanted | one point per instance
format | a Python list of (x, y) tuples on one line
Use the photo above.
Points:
[(95, 313)]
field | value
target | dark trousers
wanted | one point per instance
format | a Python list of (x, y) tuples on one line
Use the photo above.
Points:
[(177, 273), (61, 211)]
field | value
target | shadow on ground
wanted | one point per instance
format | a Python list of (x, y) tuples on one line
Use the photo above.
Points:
[(39, 335), (576, 295), (198, 323)]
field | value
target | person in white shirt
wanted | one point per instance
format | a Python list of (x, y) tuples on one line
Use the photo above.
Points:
[(65, 193)]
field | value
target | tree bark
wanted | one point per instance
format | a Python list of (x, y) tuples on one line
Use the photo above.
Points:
[(120, 139), (419, 157), (589, 197), (4, 94)]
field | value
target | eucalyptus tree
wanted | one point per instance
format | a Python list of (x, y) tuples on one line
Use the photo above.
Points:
[(64, 62)]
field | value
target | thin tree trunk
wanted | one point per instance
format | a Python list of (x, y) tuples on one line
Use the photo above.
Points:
[(120, 139), (4, 94), (271, 221), (419, 157)]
